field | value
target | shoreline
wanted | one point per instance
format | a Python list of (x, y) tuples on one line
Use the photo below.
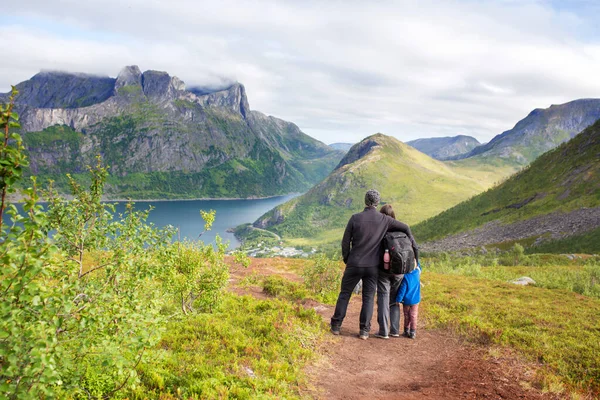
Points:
[(20, 199), (205, 198)]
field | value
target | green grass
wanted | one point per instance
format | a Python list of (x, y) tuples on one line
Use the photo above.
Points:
[(556, 328), (248, 349), (581, 276), (564, 179)]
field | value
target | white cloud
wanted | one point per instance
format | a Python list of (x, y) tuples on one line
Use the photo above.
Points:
[(340, 70)]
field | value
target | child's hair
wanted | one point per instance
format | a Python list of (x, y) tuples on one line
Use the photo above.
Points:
[(387, 210)]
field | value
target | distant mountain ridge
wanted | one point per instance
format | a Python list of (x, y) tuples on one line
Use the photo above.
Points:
[(341, 146), (540, 131), (444, 148), (163, 141)]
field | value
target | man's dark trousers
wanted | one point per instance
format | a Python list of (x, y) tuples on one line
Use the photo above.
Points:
[(352, 275)]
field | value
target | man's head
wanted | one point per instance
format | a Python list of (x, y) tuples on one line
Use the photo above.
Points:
[(372, 198)]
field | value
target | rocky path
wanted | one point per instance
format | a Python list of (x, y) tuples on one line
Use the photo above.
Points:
[(436, 365)]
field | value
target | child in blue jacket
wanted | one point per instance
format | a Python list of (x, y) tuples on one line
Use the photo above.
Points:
[(409, 294)]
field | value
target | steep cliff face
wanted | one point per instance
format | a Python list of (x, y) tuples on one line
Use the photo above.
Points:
[(540, 131), (150, 124)]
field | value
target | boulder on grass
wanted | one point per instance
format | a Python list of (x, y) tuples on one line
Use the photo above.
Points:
[(523, 281)]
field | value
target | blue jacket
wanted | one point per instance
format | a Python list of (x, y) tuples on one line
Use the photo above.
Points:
[(409, 292)]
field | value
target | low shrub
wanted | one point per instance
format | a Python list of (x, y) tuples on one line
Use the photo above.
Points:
[(322, 277)]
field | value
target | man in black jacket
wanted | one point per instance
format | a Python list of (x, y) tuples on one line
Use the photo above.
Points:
[(361, 254)]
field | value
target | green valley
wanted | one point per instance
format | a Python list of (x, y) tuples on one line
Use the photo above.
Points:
[(417, 185)]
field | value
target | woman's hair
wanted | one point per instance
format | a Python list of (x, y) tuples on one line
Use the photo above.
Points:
[(387, 210)]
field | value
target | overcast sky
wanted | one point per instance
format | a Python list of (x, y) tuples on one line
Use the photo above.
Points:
[(340, 70)]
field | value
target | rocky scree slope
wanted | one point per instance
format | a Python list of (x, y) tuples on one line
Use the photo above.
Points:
[(539, 132), (415, 184), (163, 141), (557, 196), (444, 148)]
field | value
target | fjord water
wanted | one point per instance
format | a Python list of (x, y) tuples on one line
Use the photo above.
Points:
[(185, 215)]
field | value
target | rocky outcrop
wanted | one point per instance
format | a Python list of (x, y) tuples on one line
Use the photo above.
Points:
[(233, 98), (523, 281), (160, 87), (129, 76), (357, 152), (273, 217)]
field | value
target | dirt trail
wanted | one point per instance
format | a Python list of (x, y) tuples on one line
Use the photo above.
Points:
[(436, 365)]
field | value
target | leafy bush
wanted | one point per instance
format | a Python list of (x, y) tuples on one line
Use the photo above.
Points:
[(322, 278), (196, 275), (277, 286)]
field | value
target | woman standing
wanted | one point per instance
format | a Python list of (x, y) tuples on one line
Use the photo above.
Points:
[(388, 311)]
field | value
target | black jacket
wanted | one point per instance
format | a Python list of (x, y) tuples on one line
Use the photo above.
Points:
[(363, 235)]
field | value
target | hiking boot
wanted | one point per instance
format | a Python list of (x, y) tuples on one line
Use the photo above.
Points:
[(335, 330), (412, 334), (394, 334), (380, 336), (405, 333), (363, 335)]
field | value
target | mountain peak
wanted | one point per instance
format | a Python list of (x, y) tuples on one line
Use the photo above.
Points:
[(160, 85), (360, 150), (129, 75), (233, 97)]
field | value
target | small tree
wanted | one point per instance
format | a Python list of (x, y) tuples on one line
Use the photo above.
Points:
[(518, 253), (196, 274)]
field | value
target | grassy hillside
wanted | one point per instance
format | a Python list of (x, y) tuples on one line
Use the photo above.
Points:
[(564, 179), (415, 184)]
